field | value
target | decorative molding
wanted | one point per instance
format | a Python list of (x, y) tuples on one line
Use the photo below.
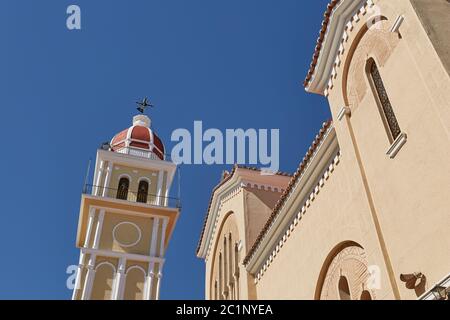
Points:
[(397, 24), (127, 256), (125, 175), (139, 233), (397, 145), (259, 186), (345, 111), (145, 179), (297, 218), (136, 267), (326, 148), (349, 27), (230, 194), (342, 17), (106, 263)]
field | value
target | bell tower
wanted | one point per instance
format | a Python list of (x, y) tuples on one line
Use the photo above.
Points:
[(126, 218)]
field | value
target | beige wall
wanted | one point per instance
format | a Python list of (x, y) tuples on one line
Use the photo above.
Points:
[(410, 192), (395, 209), (126, 233), (338, 214), (375, 217), (243, 214)]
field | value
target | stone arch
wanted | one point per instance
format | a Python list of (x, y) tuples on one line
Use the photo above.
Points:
[(102, 288), (344, 288), (135, 283), (344, 273), (373, 40)]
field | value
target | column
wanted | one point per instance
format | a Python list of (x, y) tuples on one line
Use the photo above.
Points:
[(107, 179), (119, 283), (163, 236), (153, 243), (89, 281), (236, 286), (149, 281), (98, 178), (225, 270), (166, 195), (158, 284), (89, 227), (78, 278), (98, 229), (159, 199)]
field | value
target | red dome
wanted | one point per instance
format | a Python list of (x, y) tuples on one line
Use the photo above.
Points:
[(138, 140)]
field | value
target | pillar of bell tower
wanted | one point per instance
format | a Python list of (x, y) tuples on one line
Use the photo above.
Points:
[(126, 218)]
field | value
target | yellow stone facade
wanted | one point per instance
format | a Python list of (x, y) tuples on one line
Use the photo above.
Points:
[(366, 215), (123, 232)]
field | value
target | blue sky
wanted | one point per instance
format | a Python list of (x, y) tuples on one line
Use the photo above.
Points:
[(231, 64)]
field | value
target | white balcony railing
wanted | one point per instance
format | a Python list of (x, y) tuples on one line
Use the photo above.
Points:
[(138, 153)]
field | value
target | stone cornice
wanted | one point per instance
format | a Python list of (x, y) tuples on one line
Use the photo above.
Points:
[(301, 196), (330, 42)]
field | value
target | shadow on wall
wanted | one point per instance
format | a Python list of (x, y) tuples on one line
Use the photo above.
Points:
[(416, 281)]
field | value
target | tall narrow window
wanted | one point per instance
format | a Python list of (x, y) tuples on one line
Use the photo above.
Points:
[(225, 268), (386, 110), (344, 290), (236, 270), (122, 191), (142, 191), (230, 263), (220, 287)]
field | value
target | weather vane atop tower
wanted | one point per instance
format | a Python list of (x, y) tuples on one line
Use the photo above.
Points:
[(143, 105)]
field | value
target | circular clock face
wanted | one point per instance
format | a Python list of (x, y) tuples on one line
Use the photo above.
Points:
[(127, 234)]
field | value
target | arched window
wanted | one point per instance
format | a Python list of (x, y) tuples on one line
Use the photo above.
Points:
[(102, 288), (385, 107), (220, 288), (135, 284), (236, 270), (365, 295), (344, 290), (216, 296), (142, 191), (225, 268), (230, 266), (122, 190)]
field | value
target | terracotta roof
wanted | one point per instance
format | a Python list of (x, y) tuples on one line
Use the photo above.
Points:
[(320, 40), (225, 178), (139, 137), (282, 200)]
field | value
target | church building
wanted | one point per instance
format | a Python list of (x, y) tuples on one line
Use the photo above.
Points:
[(126, 218), (366, 215)]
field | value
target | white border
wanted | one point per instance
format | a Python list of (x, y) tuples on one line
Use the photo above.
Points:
[(127, 245)]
